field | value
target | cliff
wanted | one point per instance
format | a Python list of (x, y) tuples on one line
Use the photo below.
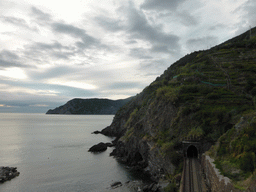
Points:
[(203, 95), (89, 106)]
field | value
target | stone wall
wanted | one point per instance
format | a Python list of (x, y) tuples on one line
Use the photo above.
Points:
[(215, 181)]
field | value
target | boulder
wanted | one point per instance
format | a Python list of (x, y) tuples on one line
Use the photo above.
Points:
[(99, 147), (8, 173), (96, 132), (116, 184)]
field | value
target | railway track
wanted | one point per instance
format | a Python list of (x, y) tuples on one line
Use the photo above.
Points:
[(192, 181)]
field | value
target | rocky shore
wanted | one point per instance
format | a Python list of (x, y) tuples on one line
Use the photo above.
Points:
[(8, 173)]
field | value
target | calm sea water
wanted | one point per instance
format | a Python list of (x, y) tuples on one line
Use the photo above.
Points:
[(50, 152)]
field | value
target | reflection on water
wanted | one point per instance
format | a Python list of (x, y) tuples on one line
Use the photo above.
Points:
[(50, 152)]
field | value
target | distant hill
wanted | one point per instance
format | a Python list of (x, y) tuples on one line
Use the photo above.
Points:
[(90, 106)]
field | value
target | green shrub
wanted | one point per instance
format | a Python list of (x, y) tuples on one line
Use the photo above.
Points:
[(213, 96), (247, 162), (189, 89), (253, 91), (196, 132), (168, 93), (167, 146), (171, 188)]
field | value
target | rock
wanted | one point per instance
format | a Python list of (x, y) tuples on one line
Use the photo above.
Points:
[(153, 187), (8, 173), (99, 147), (96, 132), (109, 144), (116, 184)]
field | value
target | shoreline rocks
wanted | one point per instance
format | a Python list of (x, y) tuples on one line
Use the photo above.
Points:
[(100, 147), (116, 184), (8, 173)]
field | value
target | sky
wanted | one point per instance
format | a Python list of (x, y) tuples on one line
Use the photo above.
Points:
[(52, 51)]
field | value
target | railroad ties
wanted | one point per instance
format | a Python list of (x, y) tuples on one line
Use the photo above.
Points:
[(192, 178)]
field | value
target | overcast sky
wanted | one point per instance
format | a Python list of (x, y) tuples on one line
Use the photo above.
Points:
[(52, 51)]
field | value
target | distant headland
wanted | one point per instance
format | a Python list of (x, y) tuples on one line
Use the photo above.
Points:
[(93, 106)]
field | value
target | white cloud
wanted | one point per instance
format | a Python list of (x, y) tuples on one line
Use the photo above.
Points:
[(13, 73)]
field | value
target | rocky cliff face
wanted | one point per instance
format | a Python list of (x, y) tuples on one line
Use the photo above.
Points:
[(89, 106), (202, 95)]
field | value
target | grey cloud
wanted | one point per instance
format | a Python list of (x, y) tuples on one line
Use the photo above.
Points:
[(16, 21), (131, 42), (69, 29), (187, 19), (202, 43), (250, 13), (218, 26), (183, 17), (76, 32), (4, 63), (40, 15), (9, 59), (124, 85), (9, 55), (139, 27), (53, 72), (161, 5), (42, 51), (161, 48), (140, 53), (153, 67), (109, 23), (55, 45)]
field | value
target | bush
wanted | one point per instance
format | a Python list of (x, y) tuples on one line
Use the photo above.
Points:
[(196, 132), (213, 96), (247, 162), (253, 91), (189, 89), (171, 188)]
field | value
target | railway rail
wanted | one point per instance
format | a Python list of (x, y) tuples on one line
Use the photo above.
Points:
[(191, 178)]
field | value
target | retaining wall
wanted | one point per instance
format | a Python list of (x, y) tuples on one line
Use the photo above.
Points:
[(215, 181)]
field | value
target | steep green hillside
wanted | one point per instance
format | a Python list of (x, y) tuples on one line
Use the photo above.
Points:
[(201, 96)]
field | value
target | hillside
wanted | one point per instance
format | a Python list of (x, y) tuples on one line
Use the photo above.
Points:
[(204, 96), (89, 106)]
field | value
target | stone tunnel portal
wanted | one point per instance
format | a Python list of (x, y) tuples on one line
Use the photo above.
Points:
[(192, 152)]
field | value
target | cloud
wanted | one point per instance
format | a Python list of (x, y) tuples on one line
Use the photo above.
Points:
[(87, 40), (52, 72), (109, 24), (40, 15), (202, 42), (187, 19), (161, 5), (16, 22), (50, 50), (248, 15), (9, 59), (140, 28), (140, 53), (124, 85), (217, 27)]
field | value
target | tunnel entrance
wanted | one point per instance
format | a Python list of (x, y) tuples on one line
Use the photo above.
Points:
[(192, 152)]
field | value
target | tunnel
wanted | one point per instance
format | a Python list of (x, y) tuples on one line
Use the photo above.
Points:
[(192, 152)]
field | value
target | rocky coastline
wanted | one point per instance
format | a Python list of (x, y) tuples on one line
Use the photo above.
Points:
[(134, 161), (8, 173)]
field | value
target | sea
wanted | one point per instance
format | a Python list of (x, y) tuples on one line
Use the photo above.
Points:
[(51, 153)]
